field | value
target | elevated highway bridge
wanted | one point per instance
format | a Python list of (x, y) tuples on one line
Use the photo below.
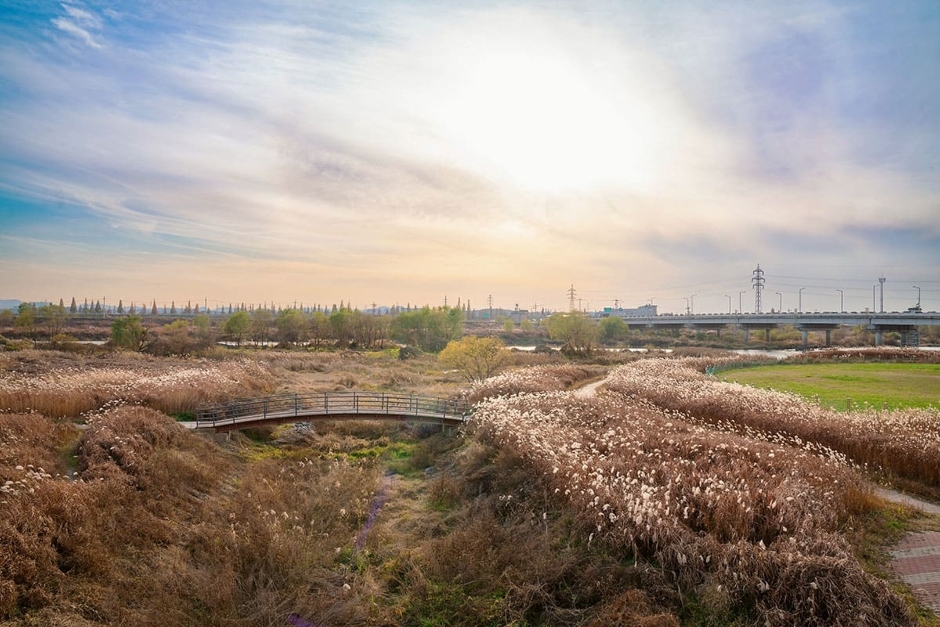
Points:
[(904, 323)]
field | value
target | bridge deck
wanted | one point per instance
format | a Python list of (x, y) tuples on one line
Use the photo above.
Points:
[(282, 408)]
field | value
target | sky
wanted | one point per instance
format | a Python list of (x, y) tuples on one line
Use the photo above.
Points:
[(408, 152)]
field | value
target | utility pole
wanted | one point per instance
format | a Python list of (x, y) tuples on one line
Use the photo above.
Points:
[(882, 280), (489, 301), (758, 284), (571, 296)]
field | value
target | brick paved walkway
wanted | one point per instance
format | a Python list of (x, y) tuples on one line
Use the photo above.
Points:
[(917, 560)]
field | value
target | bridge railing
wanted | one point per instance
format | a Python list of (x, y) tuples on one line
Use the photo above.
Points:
[(327, 403)]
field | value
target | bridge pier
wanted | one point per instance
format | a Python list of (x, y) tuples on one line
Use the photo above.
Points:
[(879, 338), (766, 328), (807, 327)]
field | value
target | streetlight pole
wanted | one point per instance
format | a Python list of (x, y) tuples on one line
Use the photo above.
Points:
[(841, 300), (873, 287), (729, 304), (800, 300), (692, 301), (918, 295), (780, 306), (741, 302)]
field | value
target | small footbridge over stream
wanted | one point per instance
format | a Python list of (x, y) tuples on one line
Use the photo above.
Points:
[(322, 406)]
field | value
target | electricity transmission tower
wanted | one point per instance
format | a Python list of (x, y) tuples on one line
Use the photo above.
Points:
[(571, 296), (758, 281)]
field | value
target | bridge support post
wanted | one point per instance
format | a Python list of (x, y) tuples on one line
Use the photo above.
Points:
[(828, 337), (879, 339), (747, 335), (767, 334), (805, 335)]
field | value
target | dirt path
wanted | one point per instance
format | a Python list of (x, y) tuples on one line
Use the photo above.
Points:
[(910, 501), (589, 389)]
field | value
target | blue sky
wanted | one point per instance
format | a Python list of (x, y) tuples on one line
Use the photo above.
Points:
[(401, 152)]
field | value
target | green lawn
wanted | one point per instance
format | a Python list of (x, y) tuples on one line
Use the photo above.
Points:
[(877, 384)]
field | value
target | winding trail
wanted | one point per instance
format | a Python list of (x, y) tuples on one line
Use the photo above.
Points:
[(589, 389)]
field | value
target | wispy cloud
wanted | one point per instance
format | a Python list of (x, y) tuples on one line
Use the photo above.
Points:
[(412, 146), (79, 23)]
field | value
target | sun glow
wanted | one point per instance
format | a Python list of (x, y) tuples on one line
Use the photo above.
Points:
[(536, 106)]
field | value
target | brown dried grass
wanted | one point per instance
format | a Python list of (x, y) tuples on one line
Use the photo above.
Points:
[(534, 379), (757, 518), (69, 386), (905, 443)]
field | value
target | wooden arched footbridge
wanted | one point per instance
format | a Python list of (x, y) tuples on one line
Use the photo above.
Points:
[(285, 408)]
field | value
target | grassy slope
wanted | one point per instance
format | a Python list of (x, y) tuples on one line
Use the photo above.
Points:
[(895, 384)]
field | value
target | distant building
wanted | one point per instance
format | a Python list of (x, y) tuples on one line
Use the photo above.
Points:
[(643, 311)]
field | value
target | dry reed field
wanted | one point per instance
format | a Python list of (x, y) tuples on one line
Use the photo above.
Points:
[(534, 379), (749, 524), (162, 527), (550, 508), (60, 385), (902, 443)]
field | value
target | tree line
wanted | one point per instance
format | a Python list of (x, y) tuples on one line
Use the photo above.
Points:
[(428, 329)]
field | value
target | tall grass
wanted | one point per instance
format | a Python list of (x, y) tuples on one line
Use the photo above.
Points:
[(750, 524), (534, 379), (164, 528), (905, 443), (558, 510), (170, 386)]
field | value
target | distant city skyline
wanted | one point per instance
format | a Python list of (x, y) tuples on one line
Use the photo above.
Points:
[(395, 152)]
